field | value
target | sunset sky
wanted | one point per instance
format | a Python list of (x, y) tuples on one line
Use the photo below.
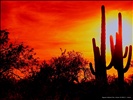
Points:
[(48, 26)]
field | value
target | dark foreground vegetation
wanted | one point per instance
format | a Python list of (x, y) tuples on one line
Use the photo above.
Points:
[(41, 88)]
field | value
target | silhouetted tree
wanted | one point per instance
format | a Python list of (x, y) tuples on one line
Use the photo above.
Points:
[(68, 65), (14, 55)]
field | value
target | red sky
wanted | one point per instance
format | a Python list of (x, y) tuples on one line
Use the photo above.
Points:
[(48, 26)]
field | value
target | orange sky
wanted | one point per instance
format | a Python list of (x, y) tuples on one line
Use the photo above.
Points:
[(49, 25)]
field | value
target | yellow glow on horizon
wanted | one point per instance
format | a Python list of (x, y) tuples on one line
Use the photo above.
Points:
[(112, 26)]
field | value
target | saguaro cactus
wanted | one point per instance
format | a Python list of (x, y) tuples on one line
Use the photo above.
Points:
[(99, 58), (117, 53)]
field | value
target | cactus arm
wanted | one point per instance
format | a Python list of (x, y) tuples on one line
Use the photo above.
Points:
[(129, 59), (125, 54), (96, 52), (94, 47), (96, 57), (112, 47), (92, 70), (110, 65), (94, 43)]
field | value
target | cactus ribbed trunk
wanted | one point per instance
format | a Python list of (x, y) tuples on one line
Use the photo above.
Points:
[(103, 35), (120, 50), (103, 44), (120, 77)]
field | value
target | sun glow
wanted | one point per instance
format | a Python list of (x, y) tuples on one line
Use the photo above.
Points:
[(112, 28)]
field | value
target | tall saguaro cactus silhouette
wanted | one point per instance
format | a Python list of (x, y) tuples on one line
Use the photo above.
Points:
[(117, 53), (100, 58)]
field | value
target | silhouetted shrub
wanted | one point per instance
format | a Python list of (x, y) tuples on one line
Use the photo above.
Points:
[(68, 65), (14, 55)]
